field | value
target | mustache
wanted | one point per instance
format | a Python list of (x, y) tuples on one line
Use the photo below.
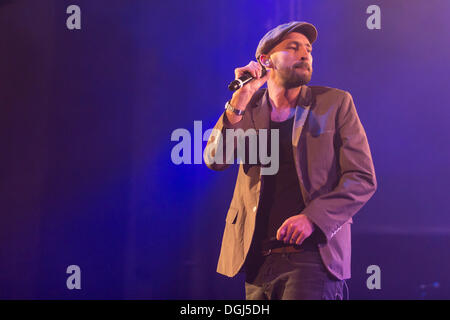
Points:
[(302, 64)]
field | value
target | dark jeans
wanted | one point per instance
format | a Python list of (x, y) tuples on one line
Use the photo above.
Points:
[(291, 276)]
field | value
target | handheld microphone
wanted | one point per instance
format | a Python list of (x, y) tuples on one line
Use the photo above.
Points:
[(243, 80)]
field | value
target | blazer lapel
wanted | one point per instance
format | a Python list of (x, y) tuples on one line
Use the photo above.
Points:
[(301, 114)]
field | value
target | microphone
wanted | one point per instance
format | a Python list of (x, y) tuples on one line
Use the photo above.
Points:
[(243, 80)]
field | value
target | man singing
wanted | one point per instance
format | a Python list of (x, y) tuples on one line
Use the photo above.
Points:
[(290, 231)]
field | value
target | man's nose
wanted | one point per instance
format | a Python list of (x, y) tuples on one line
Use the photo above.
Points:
[(304, 54)]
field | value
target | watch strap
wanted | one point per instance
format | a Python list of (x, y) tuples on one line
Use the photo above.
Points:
[(229, 107)]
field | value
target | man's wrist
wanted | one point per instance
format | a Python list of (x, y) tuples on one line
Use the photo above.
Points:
[(236, 111), (240, 100)]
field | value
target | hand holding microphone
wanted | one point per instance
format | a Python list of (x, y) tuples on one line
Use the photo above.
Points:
[(247, 81), (244, 75)]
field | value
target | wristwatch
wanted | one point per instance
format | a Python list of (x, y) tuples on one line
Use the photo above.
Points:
[(238, 112)]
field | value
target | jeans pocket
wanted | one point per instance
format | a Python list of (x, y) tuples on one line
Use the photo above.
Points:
[(305, 259)]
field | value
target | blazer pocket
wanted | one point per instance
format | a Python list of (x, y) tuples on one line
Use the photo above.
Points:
[(232, 215)]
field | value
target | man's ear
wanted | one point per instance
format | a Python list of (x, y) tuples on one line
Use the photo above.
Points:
[(265, 61)]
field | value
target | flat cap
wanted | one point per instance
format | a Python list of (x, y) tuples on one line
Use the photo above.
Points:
[(274, 36)]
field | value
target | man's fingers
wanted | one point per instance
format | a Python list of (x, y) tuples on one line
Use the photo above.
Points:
[(238, 72), (254, 72), (265, 77), (281, 232), (294, 236), (259, 69), (294, 230), (254, 68), (289, 231), (300, 239)]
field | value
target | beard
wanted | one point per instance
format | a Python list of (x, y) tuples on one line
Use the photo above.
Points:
[(295, 76)]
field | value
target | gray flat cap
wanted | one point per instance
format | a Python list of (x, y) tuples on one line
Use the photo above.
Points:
[(274, 36)]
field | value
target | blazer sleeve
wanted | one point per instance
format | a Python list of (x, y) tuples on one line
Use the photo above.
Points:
[(215, 154), (357, 181)]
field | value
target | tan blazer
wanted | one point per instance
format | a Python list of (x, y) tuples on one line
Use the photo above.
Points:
[(334, 168)]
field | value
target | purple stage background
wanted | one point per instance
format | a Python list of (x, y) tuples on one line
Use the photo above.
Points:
[(86, 118)]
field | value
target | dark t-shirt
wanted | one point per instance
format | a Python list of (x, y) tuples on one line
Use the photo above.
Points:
[(281, 197)]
